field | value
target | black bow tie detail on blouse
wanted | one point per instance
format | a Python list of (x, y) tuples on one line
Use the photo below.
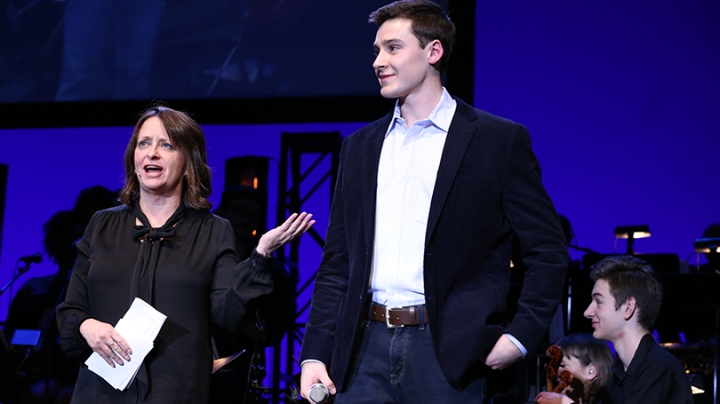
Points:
[(142, 284), (143, 279), (155, 233)]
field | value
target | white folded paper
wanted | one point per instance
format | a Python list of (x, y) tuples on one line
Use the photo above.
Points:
[(140, 326)]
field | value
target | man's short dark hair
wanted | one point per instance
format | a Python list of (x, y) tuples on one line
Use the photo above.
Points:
[(429, 22), (632, 277)]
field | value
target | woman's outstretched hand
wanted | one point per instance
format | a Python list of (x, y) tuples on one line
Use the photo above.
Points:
[(293, 228)]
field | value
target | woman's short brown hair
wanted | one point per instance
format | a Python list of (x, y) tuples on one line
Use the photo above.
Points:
[(187, 137)]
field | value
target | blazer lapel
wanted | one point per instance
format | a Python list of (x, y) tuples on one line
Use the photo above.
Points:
[(462, 129)]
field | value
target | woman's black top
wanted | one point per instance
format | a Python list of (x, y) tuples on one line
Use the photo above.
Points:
[(192, 277)]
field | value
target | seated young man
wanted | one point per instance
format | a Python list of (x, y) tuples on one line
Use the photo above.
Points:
[(626, 300)]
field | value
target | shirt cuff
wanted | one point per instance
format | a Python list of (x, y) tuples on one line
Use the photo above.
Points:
[(258, 259), (311, 361), (517, 343)]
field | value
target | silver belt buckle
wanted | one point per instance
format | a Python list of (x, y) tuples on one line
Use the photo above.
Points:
[(387, 317)]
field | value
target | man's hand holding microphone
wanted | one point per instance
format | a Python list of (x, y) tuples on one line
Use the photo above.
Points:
[(315, 384)]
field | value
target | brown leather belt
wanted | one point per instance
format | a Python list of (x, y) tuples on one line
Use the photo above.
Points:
[(395, 317)]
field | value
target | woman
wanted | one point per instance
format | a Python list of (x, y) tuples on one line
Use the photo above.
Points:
[(164, 246), (587, 359)]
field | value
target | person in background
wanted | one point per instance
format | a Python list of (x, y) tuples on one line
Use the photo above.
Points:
[(625, 303), (47, 376), (588, 360)]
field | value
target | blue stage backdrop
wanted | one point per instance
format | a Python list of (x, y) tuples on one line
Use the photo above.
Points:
[(621, 100)]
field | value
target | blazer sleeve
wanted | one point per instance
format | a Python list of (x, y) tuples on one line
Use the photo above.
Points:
[(542, 244)]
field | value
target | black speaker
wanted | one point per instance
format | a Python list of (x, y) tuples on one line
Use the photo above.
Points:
[(250, 171)]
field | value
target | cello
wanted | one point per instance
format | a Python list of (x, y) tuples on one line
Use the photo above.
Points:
[(562, 382)]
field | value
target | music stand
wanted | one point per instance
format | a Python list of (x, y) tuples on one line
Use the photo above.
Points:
[(631, 233)]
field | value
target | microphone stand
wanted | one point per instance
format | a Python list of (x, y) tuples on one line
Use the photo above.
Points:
[(257, 366), (20, 271)]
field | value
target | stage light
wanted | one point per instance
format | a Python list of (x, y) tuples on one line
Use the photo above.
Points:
[(631, 233)]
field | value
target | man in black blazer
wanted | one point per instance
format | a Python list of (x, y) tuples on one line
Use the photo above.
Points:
[(410, 300)]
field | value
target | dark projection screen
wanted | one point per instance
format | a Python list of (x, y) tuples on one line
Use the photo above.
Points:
[(227, 61)]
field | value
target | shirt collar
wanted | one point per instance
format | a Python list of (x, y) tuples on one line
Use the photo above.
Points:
[(441, 116), (643, 348)]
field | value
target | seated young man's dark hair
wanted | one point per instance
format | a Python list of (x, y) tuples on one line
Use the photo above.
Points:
[(632, 277)]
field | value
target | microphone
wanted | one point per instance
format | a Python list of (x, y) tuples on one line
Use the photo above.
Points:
[(34, 258), (318, 393)]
